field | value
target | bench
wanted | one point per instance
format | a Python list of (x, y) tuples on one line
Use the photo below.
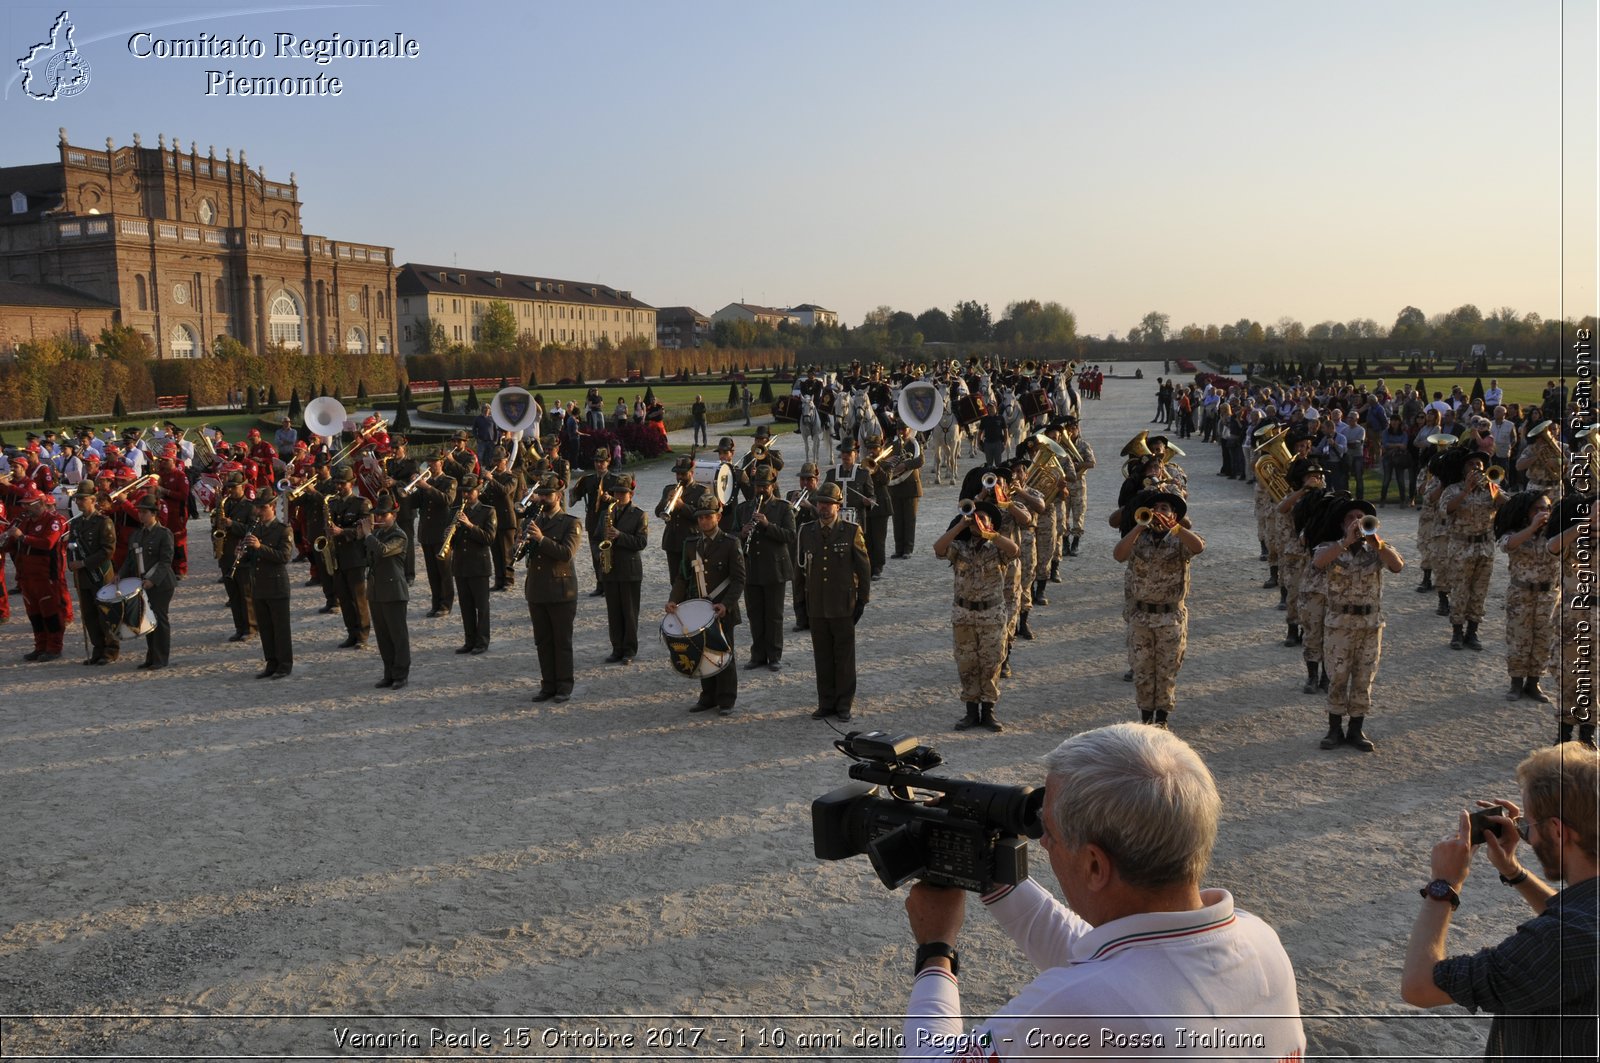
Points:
[(172, 402)]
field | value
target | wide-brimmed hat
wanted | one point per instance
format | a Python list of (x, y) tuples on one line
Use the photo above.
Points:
[(828, 492), (469, 482), (725, 443), (761, 475), (86, 489), (848, 446), (384, 504), (1150, 497), (150, 502), (683, 464), (345, 475), (616, 483), (709, 503), (809, 468), (549, 484)]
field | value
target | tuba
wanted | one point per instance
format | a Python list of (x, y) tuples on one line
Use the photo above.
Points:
[(1138, 446), (1272, 468)]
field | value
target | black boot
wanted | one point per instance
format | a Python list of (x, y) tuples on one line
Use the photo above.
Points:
[(1076, 539), (1335, 736), (1283, 598), (1322, 684), (1055, 569), (1311, 678), (1564, 734), (1146, 715), (1515, 693), (1160, 720), (1472, 636), (1272, 579), (1354, 737), (1444, 605), (1023, 631), (971, 719), (1038, 593), (1427, 581), (986, 718), (1530, 687), (1293, 638), (1263, 543), (1455, 637), (1127, 677), (1586, 735)]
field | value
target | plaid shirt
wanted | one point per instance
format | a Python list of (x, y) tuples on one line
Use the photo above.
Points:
[(1546, 971)]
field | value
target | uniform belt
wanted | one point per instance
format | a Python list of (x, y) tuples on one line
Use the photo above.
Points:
[(977, 607), (1529, 585), (1155, 607), (1474, 538), (1356, 610)]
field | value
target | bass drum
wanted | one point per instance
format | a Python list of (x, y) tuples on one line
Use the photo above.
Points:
[(696, 645), (970, 409), (1035, 404), (788, 408), (716, 475)]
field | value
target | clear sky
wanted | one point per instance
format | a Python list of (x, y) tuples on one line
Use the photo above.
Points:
[(1211, 160)]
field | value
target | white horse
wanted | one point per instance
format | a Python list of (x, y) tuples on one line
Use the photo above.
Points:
[(944, 439), (1016, 425), (859, 420), (814, 434)]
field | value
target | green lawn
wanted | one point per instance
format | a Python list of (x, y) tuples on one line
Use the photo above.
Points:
[(1517, 389)]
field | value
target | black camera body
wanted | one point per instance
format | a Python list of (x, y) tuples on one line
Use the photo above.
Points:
[(973, 838)]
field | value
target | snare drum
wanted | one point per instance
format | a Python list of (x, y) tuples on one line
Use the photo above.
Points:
[(970, 409), (788, 408), (696, 645), (122, 607)]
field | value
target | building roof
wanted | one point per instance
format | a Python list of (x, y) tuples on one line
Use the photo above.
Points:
[(14, 294), (812, 307), (418, 279), (40, 182), (760, 311), (667, 313)]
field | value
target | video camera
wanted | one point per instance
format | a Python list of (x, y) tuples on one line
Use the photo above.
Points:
[(971, 839)]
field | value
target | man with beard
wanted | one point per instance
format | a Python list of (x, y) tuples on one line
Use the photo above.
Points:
[(1540, 983)]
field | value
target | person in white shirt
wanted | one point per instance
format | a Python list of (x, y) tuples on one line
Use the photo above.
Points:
[(1141, 961), (1494, 396)]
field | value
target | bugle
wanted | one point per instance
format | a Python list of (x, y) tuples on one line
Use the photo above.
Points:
[(1369, 526), (1495, 475), (798, 499), (967, 506), (1143, 516), (416, 481)]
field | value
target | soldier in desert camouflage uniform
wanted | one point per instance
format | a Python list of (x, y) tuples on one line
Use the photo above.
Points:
[(1574, 536), (1430, 537), (1532, 592), (1352, 640), (1306, 478), (978, 555), (1470, 506), (1544, 460), (1157, 557), (1077, 498), (1313, 603)]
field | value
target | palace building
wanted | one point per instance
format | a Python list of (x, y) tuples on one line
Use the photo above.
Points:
[(566, 313), (187, 247)]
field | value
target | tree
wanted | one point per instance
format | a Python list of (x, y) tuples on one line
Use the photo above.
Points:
[(49, 417), (649, 395), (402, 413), (1410, 324), (294, 404), (1035, 322), (1255, 334), (228, 349), (766, 391), (972, 321), (1154, 326), (1291, 330), (118, 409), (497, 331), (272, 396), (902, 326), (1213, 334), (935, 326), (473, 405), (126, 344), (446, 403)]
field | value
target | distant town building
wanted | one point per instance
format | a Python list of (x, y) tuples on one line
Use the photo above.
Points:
[(36, 311), (568, 313), (186, 247), (766, 315), (809, 314), (681, 327)]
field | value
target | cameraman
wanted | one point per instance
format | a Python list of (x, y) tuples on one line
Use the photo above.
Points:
[(1143, 962), (1541, 982)]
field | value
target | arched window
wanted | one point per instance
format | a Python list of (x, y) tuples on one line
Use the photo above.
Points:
[(182, 342), (355, 341), (383, 342), (286, 320), (141, 294)]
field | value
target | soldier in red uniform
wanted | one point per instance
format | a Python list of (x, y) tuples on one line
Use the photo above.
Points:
[(35, 542), (5, 596), (175, 517), (123, 513), (261, 451)]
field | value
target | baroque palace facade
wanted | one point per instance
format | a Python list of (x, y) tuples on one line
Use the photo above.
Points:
[(188, 247)]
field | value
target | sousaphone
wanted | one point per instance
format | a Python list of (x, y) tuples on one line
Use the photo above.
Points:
[(325, 416), (513, 410)]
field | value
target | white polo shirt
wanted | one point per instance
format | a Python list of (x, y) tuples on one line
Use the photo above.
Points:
[(1212, 983)]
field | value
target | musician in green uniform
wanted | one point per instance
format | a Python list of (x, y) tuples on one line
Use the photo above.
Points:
[(767, 533), (436, 501), (623, 531), (676, 509), (591, 489), (266, 550), (345, 512), (838, 575), (549, 543), (236, 513), (472, 565), (388, 591), (91, 540), (713, 569)]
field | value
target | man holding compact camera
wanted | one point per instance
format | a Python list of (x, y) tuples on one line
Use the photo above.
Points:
[(1542, 983), (1142, 961)]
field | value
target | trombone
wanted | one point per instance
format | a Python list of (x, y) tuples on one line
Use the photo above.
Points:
[(358, 442), (136, 485)]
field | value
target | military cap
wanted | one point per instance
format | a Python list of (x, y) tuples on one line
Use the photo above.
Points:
[(828, 492), (86, 489), (683, 464), (266, 498), (619, 482), (384, 504), (21, 459), (809, 468), (1476, 455), (549, 484), (1151, 497), (709, 503), (462, 436), (761, 475), (235, 479), (847, 446), (469, 482), (149, 502), (725, 443), (601, 454), (763, 432), (344, 475)]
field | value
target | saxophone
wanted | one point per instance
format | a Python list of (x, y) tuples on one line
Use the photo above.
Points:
[(605, 541), (448, 545), (324, 545)]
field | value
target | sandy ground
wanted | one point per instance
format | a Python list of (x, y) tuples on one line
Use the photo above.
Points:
[(197, 844)]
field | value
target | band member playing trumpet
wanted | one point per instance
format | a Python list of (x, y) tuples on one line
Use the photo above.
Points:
[(1533, 592), (624, 532), (388, 591), (767, 531), (1075, 497), (1157, 549), (1544, 461), (92, 538), (549, 544), (265, 549), (838, 575), (855, 483), (1469, 506), (713, 568), (1354, 558), (875, 519), (472, 565), (978, 554), (676, 509), (150, 559), (436, 499), (402, 469)]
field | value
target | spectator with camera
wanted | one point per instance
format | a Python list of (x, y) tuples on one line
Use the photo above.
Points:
[(1142, 960), (1541, 982)]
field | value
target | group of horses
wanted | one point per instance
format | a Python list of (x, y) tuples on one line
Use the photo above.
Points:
[(855, 417)]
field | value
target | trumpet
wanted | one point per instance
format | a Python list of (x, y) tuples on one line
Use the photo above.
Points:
[(967, 506), (420, 478), (136, 485), (1143, 516), (674, 499), (1495, 475), (1369, 527), (798, 499)]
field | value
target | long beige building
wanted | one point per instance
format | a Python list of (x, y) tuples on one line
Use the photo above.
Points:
[(567, 313), (188, 247)]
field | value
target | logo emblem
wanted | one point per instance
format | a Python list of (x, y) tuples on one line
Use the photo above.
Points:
[(55, 69), (922, 401), (515, 407)]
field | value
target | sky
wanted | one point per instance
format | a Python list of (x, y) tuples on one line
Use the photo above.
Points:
[(1207, 160)]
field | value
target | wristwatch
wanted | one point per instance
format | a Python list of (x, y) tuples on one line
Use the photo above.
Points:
[(928, 951), (1441, 890)]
